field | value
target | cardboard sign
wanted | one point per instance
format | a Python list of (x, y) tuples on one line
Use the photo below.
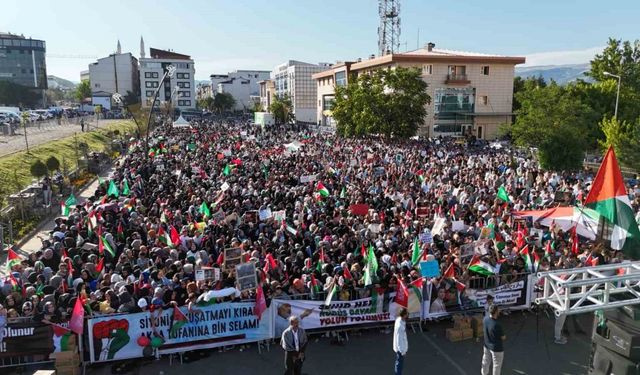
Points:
[(250, 217), (379, 171), (226, 153), (307, 178), (430, 268), (422, 211), (246, 276), (265, 214), (359, 209), (458, 225), (232, 257), (207, 273), (225, 186), (426, 237)]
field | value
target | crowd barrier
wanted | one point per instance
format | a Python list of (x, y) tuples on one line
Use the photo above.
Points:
[(117, 337)]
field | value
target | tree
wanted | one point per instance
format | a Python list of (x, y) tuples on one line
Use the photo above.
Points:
[(625, 139), (390, 102), (224, 102), (620, 58), (83, 90), (257, 107), (38, 169), (552, 120), (282, 109), (206, 103), (130, 99), (52, 164)]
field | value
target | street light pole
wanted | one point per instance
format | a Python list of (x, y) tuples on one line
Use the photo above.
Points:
[(169, 73), (615, 113)]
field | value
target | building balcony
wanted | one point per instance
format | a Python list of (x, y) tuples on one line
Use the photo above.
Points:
[(457, 79)]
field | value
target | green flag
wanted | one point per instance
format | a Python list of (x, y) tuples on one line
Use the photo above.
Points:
[(191, 146), (502, 194), (100, 180), (415, 254), (343, 193), (227, 170), (371, 267), (125, 189), (113, 189), (66, 205), (204, 209)]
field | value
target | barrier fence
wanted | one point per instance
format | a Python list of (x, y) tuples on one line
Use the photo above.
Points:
[(127, 336)]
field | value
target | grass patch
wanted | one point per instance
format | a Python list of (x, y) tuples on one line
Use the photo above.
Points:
[(15, 168)]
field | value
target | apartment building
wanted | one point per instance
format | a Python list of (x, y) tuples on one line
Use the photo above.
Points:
[(471, 93), (243, 85), (116, 73), (179, 89), (23, 61), (294, 79), (267, 92)]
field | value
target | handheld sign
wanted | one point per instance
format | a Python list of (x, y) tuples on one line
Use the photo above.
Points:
[(430, 268)]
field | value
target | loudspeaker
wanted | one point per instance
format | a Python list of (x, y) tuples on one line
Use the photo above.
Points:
[(619, 338), (606, 362)]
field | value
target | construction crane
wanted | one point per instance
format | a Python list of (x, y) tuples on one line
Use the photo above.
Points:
[(389, 29)]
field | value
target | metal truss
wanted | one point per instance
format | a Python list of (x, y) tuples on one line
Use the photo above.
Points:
[(588, 289)]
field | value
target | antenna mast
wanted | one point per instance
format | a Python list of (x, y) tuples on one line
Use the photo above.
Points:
[(389, 29)]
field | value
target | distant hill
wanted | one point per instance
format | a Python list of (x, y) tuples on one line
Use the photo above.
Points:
[(60, 83), (562, 74)]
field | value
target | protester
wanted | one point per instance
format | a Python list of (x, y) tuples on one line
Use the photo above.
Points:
[(308, 209), (400, 342), (294, 342), (493, 340)]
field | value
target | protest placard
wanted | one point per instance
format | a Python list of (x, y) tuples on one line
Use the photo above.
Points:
[(425, 237), (218, 216), (232, 257), (430, 268), (265, 214), (359, 209), (225, 186), (250, 217), (246, 276), (307, 178), (207, 273), (280, 215), (458, 225)]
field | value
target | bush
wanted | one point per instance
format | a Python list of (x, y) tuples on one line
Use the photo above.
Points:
[(53, 164), (38, 169)]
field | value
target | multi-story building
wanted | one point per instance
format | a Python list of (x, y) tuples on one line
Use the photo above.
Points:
[(241, 84), (294, 79), (180, 89), (471, 93), (203, 90), (116, 73), (267, 92), (23, 61), (84, 75)]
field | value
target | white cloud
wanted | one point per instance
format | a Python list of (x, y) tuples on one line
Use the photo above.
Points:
[(562, 57)]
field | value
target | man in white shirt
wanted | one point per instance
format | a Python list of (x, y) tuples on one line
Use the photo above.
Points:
[(294, 342), (400, 342)]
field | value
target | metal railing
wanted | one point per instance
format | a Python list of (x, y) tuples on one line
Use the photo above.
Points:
[(457, 77)]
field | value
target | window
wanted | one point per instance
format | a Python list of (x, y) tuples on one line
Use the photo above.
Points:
[(150, 74), (484, 100), (96, 85), (151, 84), (31, 71), (427, 69), (185, 94), (341, 78), (485, 70), (24, 71), (182, 75), (187, 102), (457, 70), (184, 85), (149, 93)]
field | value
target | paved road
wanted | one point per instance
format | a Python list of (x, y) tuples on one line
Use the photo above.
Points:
[(46, 132), (529, 351)]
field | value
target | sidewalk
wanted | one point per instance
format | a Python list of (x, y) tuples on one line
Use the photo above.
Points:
[(33, 243)]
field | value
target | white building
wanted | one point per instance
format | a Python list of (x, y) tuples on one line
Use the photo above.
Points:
[(116, 73), (242, 85), (179, 89), (293, 78)]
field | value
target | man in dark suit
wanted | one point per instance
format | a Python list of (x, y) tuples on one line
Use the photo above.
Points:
[(294, 342)]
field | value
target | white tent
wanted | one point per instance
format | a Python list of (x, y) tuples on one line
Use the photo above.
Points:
[(181, 123)]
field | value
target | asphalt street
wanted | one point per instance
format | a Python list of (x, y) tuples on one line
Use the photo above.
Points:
[(529, 350)]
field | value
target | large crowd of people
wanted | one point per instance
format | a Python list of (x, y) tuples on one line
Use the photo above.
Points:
[(306, 208)]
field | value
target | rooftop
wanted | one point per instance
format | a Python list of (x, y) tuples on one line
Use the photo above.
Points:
[(156, 53)]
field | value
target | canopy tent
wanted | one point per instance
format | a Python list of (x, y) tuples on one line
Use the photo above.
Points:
[(565, 218), (181, 123)]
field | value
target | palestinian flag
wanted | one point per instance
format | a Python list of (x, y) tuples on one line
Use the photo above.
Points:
[(125, 188), (105, 245), (120, 230), (527, 258), (13, 259), (68, 204), (164, 237), (591, 261), (548, 249), (332, 292), (420, 174), (322, 190), (204, 209), (460, 286), (481, 267), (609, 198), (371, 267), (416, 285), (502, 194), (113, 189), (347, 274), (415, 254), (450, 272), (315, 286), (536, 261), (178, 320)]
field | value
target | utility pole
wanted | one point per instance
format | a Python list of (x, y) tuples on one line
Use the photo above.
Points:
[(24, 126)]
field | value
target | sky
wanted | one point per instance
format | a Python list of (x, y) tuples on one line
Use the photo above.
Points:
[(225, 35)]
